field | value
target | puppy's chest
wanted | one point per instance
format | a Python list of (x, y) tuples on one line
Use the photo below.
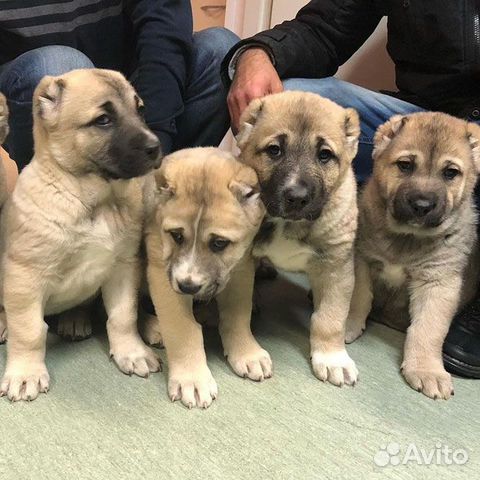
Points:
[(283, 243)]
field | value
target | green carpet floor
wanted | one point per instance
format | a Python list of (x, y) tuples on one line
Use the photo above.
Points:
[(97, 423)]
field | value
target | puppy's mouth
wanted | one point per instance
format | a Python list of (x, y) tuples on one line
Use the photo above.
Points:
[(414, 226)]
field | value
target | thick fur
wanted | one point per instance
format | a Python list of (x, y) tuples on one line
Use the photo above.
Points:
[(200, 238), (302, 146), (416, 250), (73, 224)]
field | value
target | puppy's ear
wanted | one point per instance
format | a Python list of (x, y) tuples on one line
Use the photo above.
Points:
[(3, 119), (48, 97), (386, 132), (352, 130), (473, 135), (248, 120), (246, 190), (164, 191)]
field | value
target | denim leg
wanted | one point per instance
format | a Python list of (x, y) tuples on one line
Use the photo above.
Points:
[(205, 119), (18, 80), (374, 109)]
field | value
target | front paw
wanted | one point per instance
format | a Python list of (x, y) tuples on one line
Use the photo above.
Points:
[(434, 383), (354, 331), (24, 382), (253, 363), (134, 357), (194, 386), (150, 330), (335, 367)]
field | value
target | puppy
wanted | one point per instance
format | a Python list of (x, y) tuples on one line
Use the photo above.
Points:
[(199, 247), (302, 146), (417, 237), (73, 224)]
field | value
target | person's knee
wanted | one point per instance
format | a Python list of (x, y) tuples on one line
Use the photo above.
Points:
[(329, 87), (25, 72), (215, 42)]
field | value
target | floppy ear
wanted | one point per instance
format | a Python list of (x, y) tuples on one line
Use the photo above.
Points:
[(3, 119), (48, 97), (386, 132), (352, 130), (246, 190), (164, 191), (248, 120), (473, 135)]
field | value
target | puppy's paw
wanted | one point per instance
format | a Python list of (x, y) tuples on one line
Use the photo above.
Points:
[(3, 327), (134, 357), (335, 367), (24, 382), (353, 331), (195, 386), (3, 119), (253, 363), (436, 384), (150, 330), (74, 325)]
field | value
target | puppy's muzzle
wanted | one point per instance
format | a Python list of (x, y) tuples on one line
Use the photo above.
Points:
[(420, 208), (296, 198), (189, 288)]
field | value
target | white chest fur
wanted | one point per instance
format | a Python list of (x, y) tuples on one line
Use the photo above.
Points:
[(393, 275), (285, 252), (95, 246)]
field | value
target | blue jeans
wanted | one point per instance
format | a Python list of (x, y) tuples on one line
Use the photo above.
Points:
[(205, 118), (374, 109)]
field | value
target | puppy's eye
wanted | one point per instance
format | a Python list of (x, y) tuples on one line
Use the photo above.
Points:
[(141, 111), (405, 166), (325, 155), (177, 236), (218, 244), (274, 151), (450, 173), (103, 120)]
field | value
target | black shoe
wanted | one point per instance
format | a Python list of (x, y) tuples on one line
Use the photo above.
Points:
[(461, 350)]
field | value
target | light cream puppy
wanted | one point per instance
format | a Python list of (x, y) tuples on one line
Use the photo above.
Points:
[(416, 245), (73, 224), (302, 146), (199, 247)]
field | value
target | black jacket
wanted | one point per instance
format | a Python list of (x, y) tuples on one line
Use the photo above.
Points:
[(435, 45)]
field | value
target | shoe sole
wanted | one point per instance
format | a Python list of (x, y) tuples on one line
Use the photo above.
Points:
[(457, 367)]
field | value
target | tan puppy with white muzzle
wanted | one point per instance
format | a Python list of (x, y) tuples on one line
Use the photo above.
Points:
[(199, 247), (73, 225), (302, 146), (416, 247)]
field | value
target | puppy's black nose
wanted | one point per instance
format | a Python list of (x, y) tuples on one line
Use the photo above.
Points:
[(422, 203), (296, 197), (152, 149), (189, 288)]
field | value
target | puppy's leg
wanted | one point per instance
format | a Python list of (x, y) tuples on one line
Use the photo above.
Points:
[(75, 324), (332, 293), (432, 307), (120, 298), (245, 355), (3, 119), (361, 303), (26, 373), (189, 378)]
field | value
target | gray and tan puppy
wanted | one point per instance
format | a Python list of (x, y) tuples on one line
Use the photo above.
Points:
[(302, 146), (416, 250), (199, 247), (73, 224)]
